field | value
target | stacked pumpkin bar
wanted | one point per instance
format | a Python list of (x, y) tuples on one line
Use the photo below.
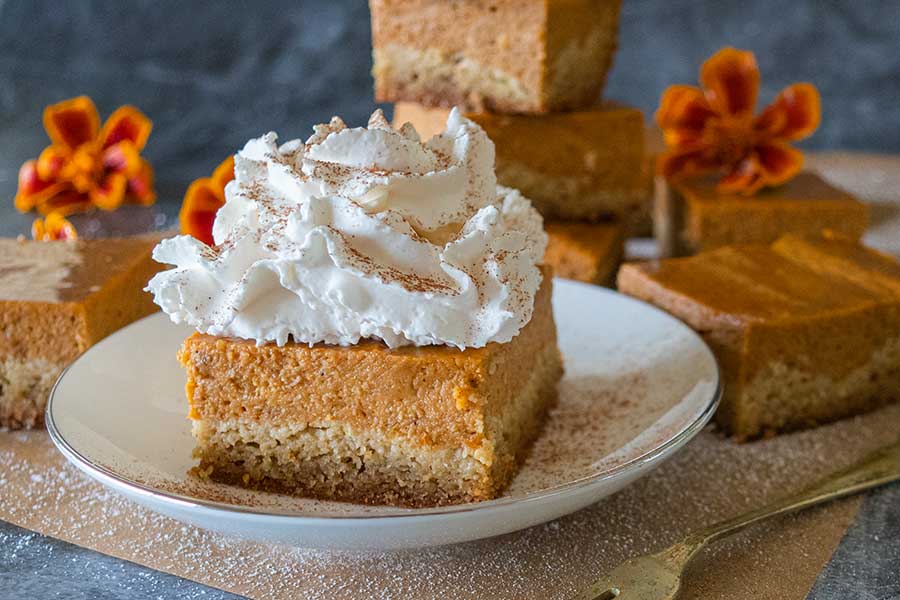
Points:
[(531, 74)]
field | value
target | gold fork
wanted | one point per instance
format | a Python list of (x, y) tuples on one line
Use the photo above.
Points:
[(658, 576)]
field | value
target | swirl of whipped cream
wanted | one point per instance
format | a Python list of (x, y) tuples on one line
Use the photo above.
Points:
[(361, 233)]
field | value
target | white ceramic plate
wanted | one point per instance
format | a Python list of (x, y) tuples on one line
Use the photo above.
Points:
[(638, 385)]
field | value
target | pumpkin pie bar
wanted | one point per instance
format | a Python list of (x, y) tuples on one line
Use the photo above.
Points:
[(588, 252), (691, 216), (414, 426), (56, 300), (584, 165), (373, 322), (512, 56), (806, 330)]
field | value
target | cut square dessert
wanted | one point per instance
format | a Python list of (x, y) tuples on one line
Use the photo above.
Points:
[(691, 216), (584, 165), (56, 300), (806, 330), (513, 56), (588, 252), (414, 426), (373, 323)]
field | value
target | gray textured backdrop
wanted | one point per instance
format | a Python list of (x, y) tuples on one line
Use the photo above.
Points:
[(212, 74)]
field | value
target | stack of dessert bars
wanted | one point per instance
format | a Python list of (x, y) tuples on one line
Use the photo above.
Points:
[(532, 75)]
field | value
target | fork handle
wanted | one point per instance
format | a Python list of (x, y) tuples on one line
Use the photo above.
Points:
[(877, 469)]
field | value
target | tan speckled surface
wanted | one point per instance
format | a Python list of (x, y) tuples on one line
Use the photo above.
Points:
[(711, 479)]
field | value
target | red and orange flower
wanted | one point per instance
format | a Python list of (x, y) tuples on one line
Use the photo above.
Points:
[(54, 227), (714, 128), (203, 199), (86, 165)]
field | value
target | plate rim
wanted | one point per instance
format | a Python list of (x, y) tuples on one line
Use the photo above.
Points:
[(111, 478)]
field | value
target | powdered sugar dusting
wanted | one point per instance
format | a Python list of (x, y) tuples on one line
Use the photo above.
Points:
[(712, 478)]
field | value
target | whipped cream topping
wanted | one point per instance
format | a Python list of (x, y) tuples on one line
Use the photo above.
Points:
[(365, 232)]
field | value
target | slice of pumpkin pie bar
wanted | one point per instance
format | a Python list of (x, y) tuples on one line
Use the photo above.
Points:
[(57, 299), (806, 330), (372, 325)]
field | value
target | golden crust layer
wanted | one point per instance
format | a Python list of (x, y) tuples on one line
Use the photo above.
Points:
[(24, 388), (480, 404), (779, 317)]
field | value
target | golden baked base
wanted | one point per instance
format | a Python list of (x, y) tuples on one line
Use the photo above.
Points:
[(412, 426), (786, 396)]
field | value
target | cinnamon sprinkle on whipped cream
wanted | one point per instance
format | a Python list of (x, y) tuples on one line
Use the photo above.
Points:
[(366, 232)]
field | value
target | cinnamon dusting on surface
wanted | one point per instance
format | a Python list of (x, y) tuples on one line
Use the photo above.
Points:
[(711, 479)]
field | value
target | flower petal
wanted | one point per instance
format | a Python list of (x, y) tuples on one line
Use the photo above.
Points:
[(66, 202), (51, 162), (38, 230), (53, 228), (745, 177), (198, 211), (223, 173), (110, 194), (33, 189), (126, 123), (685, 162), (793, 115), (122, 157), (73, 122), (140, 186), (682, 137), (683, 107), (60, 227), (779, 162), (730, 79), (770, 164), (30, 181)]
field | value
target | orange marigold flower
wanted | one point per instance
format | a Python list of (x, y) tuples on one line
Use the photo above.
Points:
[(203, 199), (54, 227), (86, 165), (713, 128)]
